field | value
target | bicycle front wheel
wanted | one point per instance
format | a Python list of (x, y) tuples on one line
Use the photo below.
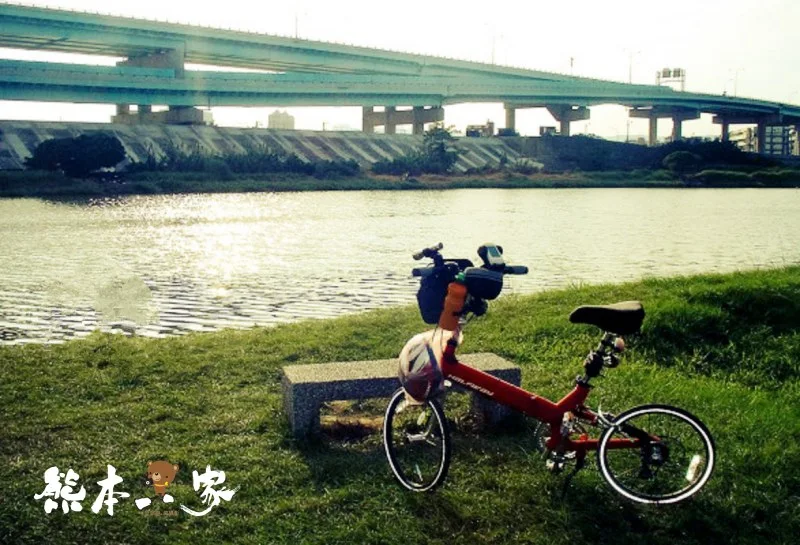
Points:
[(656, 454), (417, 442)]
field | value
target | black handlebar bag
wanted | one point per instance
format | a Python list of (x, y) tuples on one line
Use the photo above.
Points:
[(431, 295)]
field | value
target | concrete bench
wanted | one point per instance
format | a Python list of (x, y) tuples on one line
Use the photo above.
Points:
[(307, 387)]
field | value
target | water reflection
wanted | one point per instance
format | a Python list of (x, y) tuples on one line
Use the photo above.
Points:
[(165, 265)]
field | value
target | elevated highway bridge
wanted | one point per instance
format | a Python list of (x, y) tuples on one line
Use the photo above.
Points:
[(300, 72)]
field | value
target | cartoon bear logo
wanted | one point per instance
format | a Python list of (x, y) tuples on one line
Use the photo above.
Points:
[(160, 474)]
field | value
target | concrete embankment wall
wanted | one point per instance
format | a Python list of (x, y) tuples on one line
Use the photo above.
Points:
[(584, 153), (18, 139)]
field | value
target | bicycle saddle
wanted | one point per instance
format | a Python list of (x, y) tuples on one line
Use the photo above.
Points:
[(620, 318)]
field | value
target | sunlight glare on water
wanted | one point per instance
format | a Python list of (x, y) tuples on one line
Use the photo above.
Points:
[(161, 265)]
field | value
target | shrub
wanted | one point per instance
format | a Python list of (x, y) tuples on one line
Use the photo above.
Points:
[(722, 177), (784, 177), (524, 166), (682, 162), (77, 157), (336, 169), (436, 156)]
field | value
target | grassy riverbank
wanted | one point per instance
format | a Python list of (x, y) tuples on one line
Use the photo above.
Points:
[(46, 185), (49, 185), (40, 184), (725, 347)]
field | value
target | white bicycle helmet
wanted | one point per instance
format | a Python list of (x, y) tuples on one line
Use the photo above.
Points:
[(420, 373)]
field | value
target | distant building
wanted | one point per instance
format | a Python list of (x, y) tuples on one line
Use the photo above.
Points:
[(478, 131), (744, 139), (281, 120), (795, 140), (778, 140)]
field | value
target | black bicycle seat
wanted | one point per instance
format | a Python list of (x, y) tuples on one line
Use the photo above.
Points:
[(620, 318)]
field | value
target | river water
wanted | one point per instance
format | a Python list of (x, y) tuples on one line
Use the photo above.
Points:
[(165, 265)]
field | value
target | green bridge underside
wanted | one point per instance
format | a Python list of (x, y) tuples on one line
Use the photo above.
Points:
[(97, 84), (311, 73)]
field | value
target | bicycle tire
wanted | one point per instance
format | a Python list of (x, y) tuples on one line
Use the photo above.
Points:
[(406, 438), (684, 452)]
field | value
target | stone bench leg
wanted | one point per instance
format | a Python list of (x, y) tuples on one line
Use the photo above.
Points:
[(494, 413), (302, 408)]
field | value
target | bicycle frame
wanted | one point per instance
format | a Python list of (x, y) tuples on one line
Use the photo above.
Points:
[(532, 404)]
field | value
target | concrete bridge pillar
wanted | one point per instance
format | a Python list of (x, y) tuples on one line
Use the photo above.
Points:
[(367, 124), (389, 124), (678, 116), (390, 117), (511, 118), (761, 136), (652, 130), (171, 59), (726, 132), (677, 128), (566, 114), (419, 120), (426, 114)]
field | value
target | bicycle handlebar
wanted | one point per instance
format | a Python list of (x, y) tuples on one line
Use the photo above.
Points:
[(428, 252), (428, 271), (515, 269)]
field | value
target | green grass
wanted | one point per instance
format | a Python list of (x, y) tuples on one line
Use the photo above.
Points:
[(726, 348), (51, 185), (54, 185)]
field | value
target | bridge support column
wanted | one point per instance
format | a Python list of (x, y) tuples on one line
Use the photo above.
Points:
[(677, 128), (419, 120), (171, 59), (390, 117), (652, 130), (511, 118), (726, 131), (426, 114), (367, 124), (389, 124), (761, 136), (678, 116), (566, 114)]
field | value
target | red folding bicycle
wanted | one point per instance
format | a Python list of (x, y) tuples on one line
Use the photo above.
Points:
[(655, 454)]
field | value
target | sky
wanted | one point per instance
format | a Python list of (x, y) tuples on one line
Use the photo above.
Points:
[(742, 48)]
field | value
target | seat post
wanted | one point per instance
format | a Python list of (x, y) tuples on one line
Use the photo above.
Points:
[(606, 342)]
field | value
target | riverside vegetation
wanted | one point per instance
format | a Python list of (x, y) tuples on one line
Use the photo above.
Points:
[(726, 347), (69, 167)]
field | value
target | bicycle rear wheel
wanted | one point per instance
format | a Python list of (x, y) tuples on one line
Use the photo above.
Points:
[(417, 442), (673, 457)]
